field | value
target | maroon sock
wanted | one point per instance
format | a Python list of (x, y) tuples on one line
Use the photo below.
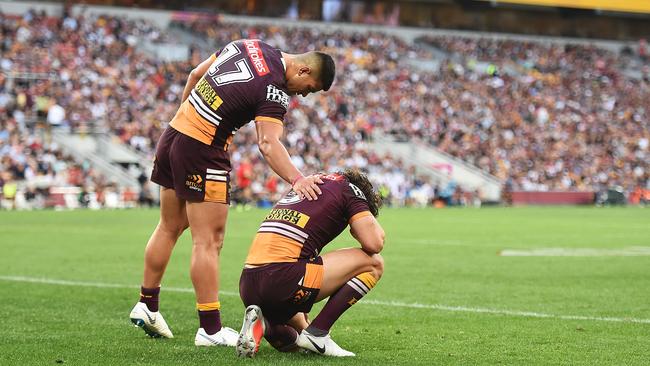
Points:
[(281, 337), (149, 296), (210, 321), (342, 300)]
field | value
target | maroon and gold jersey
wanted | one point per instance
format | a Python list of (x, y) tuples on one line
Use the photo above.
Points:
[(245, 82), (299, 229)]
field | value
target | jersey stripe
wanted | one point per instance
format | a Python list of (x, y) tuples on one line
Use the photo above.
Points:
[(205, 106), (359, 215), (215, 171), (268, 119), (273, 248), (286, 227), (188, 122), (282, 232), (200, 112), (313, 275), (204, 111), (201, 105), (220, 178)]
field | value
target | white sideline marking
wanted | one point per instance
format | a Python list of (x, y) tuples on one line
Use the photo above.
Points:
[(577, 252), (50, 281), (528, 314)]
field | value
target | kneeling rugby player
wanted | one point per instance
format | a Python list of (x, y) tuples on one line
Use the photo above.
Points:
[(285, 274)]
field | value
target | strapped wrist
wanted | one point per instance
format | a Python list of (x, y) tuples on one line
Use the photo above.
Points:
[(296, 179)]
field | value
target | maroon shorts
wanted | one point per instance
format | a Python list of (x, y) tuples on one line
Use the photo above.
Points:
[(196, 171), (282, 290)]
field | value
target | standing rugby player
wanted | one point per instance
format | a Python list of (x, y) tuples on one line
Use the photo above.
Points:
[(285, 274), (246, 80)]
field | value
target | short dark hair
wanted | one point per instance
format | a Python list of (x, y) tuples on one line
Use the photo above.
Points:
[(361, 180), (327, 69)]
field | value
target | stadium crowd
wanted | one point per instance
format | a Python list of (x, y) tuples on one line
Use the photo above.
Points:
[(548, 117), (80, 75), (35, 173), (539, 117), (542, 117)]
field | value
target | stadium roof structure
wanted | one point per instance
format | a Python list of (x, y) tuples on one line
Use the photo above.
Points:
[(626, 6)]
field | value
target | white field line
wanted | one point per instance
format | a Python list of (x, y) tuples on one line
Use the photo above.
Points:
[(577, 252), (527, 314), (51, 281)]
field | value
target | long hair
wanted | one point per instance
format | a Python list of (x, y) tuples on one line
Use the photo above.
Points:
[(360, 180)]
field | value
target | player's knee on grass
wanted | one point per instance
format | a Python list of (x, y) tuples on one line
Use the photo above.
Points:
[(282, 337)]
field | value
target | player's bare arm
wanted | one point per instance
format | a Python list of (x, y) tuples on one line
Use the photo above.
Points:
[(369, 234), (195, 75), (276, 155)]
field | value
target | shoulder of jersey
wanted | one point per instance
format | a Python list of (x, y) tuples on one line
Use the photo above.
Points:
[(334, 183), (262, 55), (343, 184), (258, 53), (357, 192)]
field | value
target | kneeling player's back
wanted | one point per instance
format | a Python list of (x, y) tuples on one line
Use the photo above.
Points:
[(298, 229)]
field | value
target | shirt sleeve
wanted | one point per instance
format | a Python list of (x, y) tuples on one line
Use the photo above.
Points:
[(273, 105), (216, 54), (356, 204)]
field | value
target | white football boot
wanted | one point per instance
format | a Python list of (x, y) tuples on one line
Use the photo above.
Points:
[(322, 345), (252, 332), (152, 322), (224, 337)]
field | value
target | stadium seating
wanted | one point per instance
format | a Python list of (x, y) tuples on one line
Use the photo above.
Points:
[(537, 116), (543, 116)]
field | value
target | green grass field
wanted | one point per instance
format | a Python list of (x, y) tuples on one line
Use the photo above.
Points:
[(447, 296)]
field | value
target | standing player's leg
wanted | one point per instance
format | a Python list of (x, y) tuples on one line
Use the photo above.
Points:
[(208, 224), (173, 221), (348, 275)]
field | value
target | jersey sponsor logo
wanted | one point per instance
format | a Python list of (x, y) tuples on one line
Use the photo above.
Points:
[(194, 182), (291, 216), (290, 198), (256, 56), (358, 192), (302, 295), (208, 94), (275, 94)]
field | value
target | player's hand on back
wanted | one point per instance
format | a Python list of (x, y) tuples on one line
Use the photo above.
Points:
[(308, 186)]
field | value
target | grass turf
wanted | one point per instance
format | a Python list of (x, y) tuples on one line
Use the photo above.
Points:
[(436, 258)]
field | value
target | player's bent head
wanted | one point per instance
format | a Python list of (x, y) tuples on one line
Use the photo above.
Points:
[(360, 180), (327, 70), (323, 66)]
